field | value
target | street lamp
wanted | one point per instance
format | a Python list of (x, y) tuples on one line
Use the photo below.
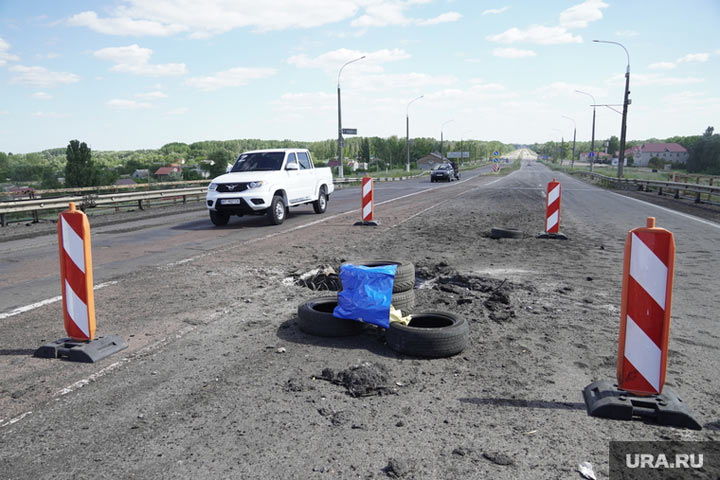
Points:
[(441, 136), (626, 102), (407, 129), (340, 137), (572, 160), (592, 139)]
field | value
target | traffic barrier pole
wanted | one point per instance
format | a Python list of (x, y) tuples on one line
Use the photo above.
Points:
[(552, 207), (645, 310), (368, 205), (76, 277)]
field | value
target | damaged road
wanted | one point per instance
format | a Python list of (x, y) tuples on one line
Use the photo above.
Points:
[(219, 382)]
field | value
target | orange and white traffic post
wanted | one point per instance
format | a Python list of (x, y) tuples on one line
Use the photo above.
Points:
[(368, 203), (645, 309), (553, 197), (644, 332), (78, 301), (552, 207), (76, 276)]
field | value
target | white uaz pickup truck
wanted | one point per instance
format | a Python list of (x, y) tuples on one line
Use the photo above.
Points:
[(269, 182)]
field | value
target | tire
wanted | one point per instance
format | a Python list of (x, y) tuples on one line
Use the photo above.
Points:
[(430, 334), (505, 233), (277, 211), (404, 301), (404, 276), (315, 317), (320, 205), (219, 219)]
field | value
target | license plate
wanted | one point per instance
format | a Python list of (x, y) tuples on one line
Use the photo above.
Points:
[(230, 201)]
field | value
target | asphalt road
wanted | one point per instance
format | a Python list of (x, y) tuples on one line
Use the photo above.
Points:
[(201, 390)]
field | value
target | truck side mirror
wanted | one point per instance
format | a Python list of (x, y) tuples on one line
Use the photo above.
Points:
[(228, 168), (292, 166)]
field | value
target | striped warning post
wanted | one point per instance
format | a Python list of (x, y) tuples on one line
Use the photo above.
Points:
[(76, 277), (368, 206), (552, 207), (645, 310)]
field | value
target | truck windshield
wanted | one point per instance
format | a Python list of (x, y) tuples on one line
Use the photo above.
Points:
[(254, 162)]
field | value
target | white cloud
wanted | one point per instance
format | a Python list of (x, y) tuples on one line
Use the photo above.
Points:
[(564, 89), (42, 96), (125, 26), (41, 76), (151, 95), (512, 53), (135, 59), (694, 57), (495, 11), (332, 61), (579, 16), (50, 115), (662, 66), (234, 77), (444, 18), (537, 34), (306, 102), (405, 82), (4, 55), (121, 104)]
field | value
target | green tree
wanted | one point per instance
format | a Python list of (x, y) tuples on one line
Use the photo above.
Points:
[(656, 162), (218, 162), (613, 145), (4, 166), (365, 150), (79, 169)]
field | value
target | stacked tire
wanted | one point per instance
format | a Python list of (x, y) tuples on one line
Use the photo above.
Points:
[(403, 296)]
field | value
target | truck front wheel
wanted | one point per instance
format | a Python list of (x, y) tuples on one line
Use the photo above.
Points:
[(219, 219), (320, 205), (276, 213)]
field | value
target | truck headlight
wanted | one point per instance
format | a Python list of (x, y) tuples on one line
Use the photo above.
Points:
[(257, 184), (212, 187)]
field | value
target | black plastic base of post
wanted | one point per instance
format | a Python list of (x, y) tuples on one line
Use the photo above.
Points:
[(552, 236), (605, 400), (80, 351), (370, 223)]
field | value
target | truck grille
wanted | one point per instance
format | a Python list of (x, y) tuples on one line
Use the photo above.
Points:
[(231, 187)]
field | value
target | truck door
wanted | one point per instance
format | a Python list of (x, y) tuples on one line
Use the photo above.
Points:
[(308, 175), (295, 182)]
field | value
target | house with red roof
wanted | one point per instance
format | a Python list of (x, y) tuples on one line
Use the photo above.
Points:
[(670, 152), (167, 173)]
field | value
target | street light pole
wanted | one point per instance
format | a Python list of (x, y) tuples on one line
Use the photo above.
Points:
[(407, 130), (340, 137), (572, 160), (592, 141), (441, 137), (626, 102)]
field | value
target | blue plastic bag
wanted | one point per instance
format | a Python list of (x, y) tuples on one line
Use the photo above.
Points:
[(366, 294)]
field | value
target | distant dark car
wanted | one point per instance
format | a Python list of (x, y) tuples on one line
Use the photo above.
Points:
[(443, 172)]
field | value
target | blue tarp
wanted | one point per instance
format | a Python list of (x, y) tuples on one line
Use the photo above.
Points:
[(366, 294)]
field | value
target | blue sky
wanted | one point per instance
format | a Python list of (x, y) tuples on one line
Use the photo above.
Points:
[(131, 74)]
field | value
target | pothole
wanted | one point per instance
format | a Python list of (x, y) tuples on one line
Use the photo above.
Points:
[(322, 278)]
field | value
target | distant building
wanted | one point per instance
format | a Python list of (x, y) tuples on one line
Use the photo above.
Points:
[(670, 152), (168, 173), (600, 157), (141, 173), (428, 162)]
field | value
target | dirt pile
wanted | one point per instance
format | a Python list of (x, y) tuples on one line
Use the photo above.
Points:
[(364, 380)]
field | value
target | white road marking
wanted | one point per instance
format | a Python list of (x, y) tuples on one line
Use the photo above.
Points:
[(48, 301)]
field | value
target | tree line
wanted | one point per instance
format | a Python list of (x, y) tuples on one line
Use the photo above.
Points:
[(80, 166), (703, 150)]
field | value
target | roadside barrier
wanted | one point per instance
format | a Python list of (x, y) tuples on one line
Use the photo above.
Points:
[(368, 205), (643, 341), (553, 198), (645, 309), (76, 283)]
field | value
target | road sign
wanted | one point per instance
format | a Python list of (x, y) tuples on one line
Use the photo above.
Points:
[(495, 160), (496, 167), (349, 131), (591, 154), (496, 153)]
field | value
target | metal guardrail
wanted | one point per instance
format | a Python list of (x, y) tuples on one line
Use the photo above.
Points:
[(94, 200), (674, 187)]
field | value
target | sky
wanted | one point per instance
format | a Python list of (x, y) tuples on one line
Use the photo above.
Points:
[(135, 74)]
